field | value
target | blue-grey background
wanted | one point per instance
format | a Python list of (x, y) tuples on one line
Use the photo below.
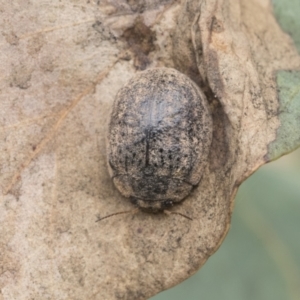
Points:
[(260, 257)]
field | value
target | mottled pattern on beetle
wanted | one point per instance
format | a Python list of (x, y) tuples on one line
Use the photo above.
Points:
[(159, 137)]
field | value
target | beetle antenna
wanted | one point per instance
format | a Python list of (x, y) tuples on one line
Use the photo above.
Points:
[(177, 213), (133, 211)]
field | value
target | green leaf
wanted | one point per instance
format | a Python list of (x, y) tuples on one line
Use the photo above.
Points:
[(288, 134), (287, 14)]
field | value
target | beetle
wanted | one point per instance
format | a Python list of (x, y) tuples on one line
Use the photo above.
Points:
[(159, 137)]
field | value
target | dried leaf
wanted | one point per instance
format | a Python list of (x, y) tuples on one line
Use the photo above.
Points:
[(61, 65)]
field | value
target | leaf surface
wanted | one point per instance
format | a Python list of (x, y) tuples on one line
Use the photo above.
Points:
[(61, 66)]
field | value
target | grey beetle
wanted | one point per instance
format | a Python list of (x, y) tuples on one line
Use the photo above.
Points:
[(160, 134)]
